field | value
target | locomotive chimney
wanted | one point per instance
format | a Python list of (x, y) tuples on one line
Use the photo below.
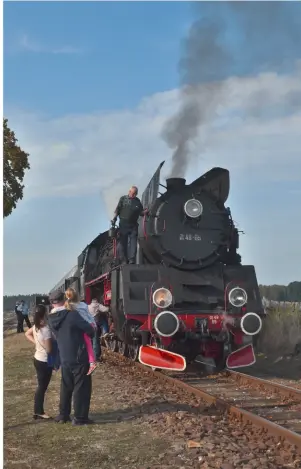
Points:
[(175, 183)]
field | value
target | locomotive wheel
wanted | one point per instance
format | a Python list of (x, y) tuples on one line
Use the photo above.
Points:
[(133, 352), (123, 349)]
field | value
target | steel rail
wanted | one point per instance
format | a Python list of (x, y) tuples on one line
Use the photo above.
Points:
[(288, 391), (227, 407), (242, 414)]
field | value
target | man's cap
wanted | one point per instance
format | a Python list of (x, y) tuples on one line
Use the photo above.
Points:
[(57, 296)]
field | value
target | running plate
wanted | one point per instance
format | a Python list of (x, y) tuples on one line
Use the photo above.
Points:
[(161, 359), (242, 357)]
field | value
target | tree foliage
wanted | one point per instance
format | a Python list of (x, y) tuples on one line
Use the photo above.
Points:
[(15, 162), (9, 301), (290, 292)]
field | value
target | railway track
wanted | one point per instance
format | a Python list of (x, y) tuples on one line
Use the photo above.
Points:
[(272, 407)]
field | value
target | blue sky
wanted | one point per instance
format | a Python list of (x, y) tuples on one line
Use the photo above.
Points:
[(111, 39), (88, 88)]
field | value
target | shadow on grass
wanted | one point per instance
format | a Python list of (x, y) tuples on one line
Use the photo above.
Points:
[(122, 415)]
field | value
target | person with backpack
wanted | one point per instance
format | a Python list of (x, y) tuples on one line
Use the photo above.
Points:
[(40, 335)]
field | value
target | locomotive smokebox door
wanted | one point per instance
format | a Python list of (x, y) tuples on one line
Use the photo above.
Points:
[(189, 229)]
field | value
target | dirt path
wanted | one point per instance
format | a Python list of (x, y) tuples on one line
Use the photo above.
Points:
[(140, 424)]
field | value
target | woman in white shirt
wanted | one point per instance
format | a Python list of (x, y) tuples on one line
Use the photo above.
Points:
[(40, 335)]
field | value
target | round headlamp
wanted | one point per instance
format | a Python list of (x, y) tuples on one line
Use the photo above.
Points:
[(162, 298), (238, 297), (166, 324), (193, 208), (251, 324)]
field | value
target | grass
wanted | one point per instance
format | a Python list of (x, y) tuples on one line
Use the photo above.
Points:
[(281, 331), (113, 443)]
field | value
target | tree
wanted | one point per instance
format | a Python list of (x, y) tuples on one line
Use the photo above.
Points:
[(15, 162), (291, 292)]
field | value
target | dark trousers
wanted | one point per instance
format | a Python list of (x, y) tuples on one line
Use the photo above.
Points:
[(75, 382), (104, 325), (26, 319), (44, 373), (102, 328), (128, 242), (20, 321), (96, 342)]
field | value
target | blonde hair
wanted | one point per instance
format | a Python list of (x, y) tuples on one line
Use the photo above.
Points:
[(71, 299)]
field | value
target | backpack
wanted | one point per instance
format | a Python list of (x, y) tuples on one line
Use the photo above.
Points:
[(53, 358)]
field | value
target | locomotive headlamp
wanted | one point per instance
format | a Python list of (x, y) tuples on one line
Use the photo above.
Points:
[(238, 297), (166, 324), (193, 208), (162, 298), (251, 324)]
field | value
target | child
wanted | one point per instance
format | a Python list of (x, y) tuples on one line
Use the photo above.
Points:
[(72, 303)]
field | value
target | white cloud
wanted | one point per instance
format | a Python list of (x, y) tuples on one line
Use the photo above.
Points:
[(30, 45), (256, 132)]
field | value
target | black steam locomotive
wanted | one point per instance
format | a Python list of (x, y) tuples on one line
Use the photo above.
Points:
[(188, 293)]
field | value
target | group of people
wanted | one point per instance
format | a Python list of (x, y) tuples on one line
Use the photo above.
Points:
[(71, 330), (22, 313)]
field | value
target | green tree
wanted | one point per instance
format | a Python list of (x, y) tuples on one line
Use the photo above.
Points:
[(291, 292), (15, 162)]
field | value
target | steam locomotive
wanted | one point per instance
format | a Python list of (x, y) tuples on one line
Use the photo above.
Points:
[(188, 297)]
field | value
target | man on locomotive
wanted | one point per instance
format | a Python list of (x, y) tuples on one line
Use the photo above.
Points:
[(128, 210)]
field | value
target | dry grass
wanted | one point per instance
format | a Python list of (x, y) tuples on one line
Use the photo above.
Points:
[(111, 444), (281, 331)]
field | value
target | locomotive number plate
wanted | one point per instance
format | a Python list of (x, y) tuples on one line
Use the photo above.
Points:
[(215, 320), (189, 237)]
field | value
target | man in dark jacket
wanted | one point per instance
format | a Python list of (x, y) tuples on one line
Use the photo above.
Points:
[(128, 210), (69, 328), (20, 318)]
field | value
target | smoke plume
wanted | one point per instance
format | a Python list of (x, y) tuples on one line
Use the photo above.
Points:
[(227, 39)]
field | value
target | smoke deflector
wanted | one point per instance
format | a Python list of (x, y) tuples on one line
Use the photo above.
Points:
[(161, 359), (242, 357)]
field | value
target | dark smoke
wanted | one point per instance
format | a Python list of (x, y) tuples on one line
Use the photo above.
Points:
[(269, 38)]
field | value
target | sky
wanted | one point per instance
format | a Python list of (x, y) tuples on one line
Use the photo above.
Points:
[(88, 88)]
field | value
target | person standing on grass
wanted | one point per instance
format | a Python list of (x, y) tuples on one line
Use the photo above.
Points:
[(72, 303), (23, 308), (40, 335), (20, 318), (69, 328)]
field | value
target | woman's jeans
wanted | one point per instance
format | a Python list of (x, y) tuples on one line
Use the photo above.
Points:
[(44, 373), (102, 327)]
